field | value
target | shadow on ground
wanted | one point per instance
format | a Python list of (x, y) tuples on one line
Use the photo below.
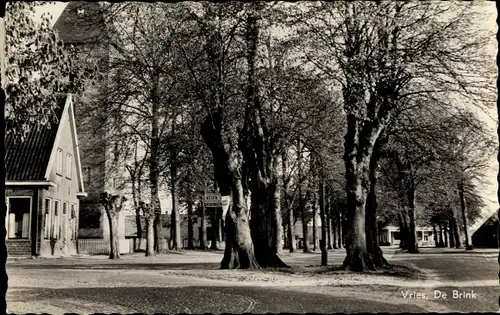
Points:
[(199, 300), (395, 270)]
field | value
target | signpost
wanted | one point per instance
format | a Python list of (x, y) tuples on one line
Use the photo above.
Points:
[(212, 200)]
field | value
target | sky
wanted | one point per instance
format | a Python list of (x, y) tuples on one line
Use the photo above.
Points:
[(486, 21)]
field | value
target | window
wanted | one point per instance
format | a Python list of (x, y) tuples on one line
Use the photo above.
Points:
[(56, 218), (48, 219), (68, 165), (59, 162), (19, 217)]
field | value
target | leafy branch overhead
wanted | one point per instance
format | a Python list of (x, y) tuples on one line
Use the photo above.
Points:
[(39, 67)]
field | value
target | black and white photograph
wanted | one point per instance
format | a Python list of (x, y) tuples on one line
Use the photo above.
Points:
[(192, 157)]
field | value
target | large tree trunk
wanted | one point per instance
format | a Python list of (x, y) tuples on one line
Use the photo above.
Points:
[(445, 229), (153, 163), (114, 252), (288, 208), (322, 210), (291, 231), (402, 231), (441, 242), (334, 231), (340, 228), (456, 232), (138, 223), (372, 240), (239, 251), (314, 201), (138, 210), (357, 158), (266, 218), (314, 221), (190, 244), (405, 231), (158, 239), (305, 230), (359, 143), (330, 229), (302, 201), (436, 241), (176, 218), (155, 203), (203, 229), (215, 228), (412, 235), (465, 220), (222, 227), (229, 172), (224, 143), (150, 235), (452, 232), (261, 153), (280, 237)]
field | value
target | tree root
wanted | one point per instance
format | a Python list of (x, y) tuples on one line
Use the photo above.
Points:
[(359, 261)]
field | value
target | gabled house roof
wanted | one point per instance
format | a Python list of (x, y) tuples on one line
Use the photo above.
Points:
[(29, 162)]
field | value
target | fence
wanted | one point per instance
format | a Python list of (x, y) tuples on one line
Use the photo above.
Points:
[(140, 244), (100, 246)]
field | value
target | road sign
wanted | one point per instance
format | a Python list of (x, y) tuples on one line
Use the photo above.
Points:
[(214, 200)]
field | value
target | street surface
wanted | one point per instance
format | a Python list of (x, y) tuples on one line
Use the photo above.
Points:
[(190, 282)]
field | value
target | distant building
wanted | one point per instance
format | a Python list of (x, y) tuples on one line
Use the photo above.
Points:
[(80, 26), (43, 186), (390, 236), (486, 234)]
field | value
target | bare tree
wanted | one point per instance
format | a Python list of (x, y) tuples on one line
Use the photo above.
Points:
[(387, 58), (113, 205)]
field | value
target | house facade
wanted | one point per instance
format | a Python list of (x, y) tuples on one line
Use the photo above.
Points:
[(390, 236), (43, 188)]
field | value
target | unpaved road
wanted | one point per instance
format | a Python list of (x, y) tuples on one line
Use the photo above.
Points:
[(192, 283)]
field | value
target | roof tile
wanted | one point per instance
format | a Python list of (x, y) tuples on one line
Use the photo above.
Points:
[(28, 160)]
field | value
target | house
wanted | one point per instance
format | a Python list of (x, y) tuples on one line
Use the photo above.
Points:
[(486, 234), (43, 187), (390, 235)]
